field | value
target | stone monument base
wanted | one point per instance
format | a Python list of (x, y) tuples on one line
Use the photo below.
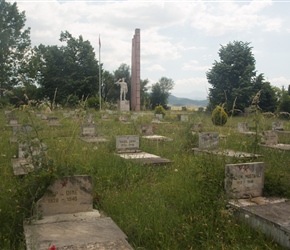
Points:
[(124, 105)]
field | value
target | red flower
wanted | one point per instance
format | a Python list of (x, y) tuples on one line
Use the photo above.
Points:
[(53, 247)]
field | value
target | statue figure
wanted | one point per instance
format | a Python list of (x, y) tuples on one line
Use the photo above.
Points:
[(123, 88)]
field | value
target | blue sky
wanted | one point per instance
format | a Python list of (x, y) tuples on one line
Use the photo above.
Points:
[(179, 39)]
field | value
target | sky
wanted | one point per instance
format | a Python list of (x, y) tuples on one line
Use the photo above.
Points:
[(180, 39)]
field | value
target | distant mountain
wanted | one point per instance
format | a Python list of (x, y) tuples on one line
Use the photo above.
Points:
[(178, 101)]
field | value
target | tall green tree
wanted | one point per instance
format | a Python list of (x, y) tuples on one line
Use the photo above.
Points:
[(232, 78), (160, 92), (144, 94), (68, 71), (14, 44)]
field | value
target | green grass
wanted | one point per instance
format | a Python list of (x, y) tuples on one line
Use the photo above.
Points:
[(178, 206)]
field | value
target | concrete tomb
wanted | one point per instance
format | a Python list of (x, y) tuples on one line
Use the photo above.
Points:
[(66, 219), (29, 157), (20, 132), (124, 119), (270, 139), (196, 127), (89, 133), (244, 128), (183, 118), (127, 147), (147, 131), (277, 126), (53, 121), (244, 183), (159, 116), (12, 121), (208, 144)]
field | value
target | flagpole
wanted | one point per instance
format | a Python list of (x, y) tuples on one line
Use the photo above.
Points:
[(100, 96)]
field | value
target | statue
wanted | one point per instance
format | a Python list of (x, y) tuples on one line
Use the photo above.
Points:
[(123, 89)]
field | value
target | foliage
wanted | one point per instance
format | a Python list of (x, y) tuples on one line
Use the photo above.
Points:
[(232, 77), (144, 95), (14, 45), (219, 117), (159, 110), (160, 92), (67, 70), (284, 104)]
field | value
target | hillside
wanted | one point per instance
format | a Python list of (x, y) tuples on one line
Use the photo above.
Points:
[(178, 101)]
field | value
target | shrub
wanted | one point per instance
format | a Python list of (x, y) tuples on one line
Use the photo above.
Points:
[(219, 117), (159, 110)]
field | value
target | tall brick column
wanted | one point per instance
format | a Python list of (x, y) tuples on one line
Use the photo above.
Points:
[(135, 72)]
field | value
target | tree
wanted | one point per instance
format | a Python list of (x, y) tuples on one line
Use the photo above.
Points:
[(14, 44), (232, 77), (144, 95), (160, 92), (68, 71), (284, 104)]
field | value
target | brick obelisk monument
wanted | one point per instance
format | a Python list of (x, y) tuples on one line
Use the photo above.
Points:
[(135, 72)]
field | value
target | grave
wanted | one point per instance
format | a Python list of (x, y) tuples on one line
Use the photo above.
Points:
[(65, 218), (124, 119), (159, 116), (28, 155), (89, 134), (105, 117), (12, 121), (244, 128), (208, 144), (270, 139), (277, 126), (196, 127), (53, 121), (244, 184), (147, 131), (127, 147), (20, 131), (183, 118)]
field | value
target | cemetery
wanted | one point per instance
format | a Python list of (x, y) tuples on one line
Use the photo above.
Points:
[(134, 198)]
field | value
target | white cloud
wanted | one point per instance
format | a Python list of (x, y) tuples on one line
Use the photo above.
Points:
[(193, 65), (279, 82), (155, 67)]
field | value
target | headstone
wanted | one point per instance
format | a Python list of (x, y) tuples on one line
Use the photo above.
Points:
[(146, 129), (197, 127), (200, 109), (90, 118), (65, 218), (269, 138), (89, 129), (183, 118), (35, 148), (53, 121), (159, 116), (277, 126), (105, 117), (12, 121), (244, 180), (7, 112), (70, 195), (20, 131), (208, 140), (127, 143), (134, 117), (243, 127), (66, 114), (123, 119)]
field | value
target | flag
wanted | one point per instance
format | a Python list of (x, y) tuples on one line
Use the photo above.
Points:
[(99, 41)]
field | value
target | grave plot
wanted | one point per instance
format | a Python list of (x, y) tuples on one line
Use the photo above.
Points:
[(244, 128), (12, 120), (278, 126), (158, 118), (89, 134), (208, 144), (270, 140), (244, 184), (124, 119), (67, 220), (127, 147), (28, 155), (196, 127), (53, 121), (147, 131), (183, 118), (20, 131)]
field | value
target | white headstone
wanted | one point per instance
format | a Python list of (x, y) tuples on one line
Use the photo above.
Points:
[(89, 129), (127, 142), (277, 126), (208, 140)]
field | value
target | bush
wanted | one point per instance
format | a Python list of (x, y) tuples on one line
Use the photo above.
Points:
[(159, 110), (219, 117)]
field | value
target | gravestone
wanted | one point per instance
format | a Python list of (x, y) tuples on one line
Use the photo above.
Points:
[(183, 118), (53, 121), (20, 131), (243, 127), (134, 117), (208, 140), (277, 126), (127, 147), (12, 121), (244, 180), (146, 129), (65, 218), (123, 119), (269, 138), (90, 118), (89, 134), (66, 114), (196, 127), (105, 117), (159, 116)]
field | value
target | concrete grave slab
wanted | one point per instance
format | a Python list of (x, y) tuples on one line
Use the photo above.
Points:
[(127, 147), (146, 129), (105, 117), (53, 121), (244, 128), (89, 134), (270, 139), (19, 130), (69, 221), (244, 180), (196, 127), (208, 144), (269, 215), (22, 166), (277, 126), (12, 121), (183, 118), (157, 138)]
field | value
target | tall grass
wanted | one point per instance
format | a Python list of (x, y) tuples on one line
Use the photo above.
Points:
[(177, 206)]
